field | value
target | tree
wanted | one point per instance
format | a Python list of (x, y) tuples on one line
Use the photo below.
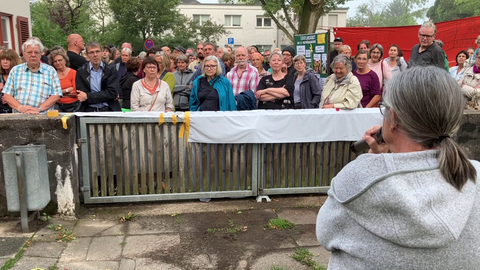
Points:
[(101, 14), (144, 18), (394, 13), (43, 28), (447, 10), (70, 15), (294, 17)]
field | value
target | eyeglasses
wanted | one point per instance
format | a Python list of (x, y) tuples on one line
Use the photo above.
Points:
[(382, 106), (94, 52), (425, 36), (210, 66), (151, 67)]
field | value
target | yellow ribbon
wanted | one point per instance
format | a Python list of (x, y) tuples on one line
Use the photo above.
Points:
[(64, 120), (174, 119), (161, 119), (185, 129)]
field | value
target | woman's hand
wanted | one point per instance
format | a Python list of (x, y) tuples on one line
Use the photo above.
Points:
[(370, 136), (328, 106)]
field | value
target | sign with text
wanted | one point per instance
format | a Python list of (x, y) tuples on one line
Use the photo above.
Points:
[(315, 49)]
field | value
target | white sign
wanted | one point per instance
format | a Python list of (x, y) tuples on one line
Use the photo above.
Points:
[(301, 50)]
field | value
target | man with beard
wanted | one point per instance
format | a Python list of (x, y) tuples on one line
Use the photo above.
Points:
[(209, 49), (194, 65), (244, 76)]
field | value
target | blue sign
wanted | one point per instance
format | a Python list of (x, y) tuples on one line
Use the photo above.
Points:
[(231, 41), (148, 43)]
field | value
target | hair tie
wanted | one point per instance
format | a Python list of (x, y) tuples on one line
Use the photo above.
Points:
[(441, 137)]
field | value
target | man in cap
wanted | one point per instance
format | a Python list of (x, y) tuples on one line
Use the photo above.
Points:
[(178, 50), (337, 43), (288, 54)]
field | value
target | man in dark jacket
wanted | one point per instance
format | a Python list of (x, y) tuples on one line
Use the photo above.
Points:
[(97, 83)]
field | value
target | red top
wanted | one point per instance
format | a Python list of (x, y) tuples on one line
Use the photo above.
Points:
[(69, 81)]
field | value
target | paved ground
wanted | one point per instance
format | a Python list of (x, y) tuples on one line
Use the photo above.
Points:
[(222, 234)]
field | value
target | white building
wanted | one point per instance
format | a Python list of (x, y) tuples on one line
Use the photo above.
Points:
[(248, 25), (15, 26)]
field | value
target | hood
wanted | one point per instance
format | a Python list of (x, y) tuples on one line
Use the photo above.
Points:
[(405, 200), (125, 77)]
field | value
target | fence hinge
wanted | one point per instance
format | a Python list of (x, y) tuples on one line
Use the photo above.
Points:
[(80, 141)]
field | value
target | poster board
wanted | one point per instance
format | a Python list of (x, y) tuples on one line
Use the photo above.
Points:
[(315, 48)]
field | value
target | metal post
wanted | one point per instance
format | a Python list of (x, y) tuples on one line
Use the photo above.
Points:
[(22, 191)]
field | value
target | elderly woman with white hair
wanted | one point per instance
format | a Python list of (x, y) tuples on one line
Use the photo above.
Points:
[(418, 207), (342, 90), (211, 91)]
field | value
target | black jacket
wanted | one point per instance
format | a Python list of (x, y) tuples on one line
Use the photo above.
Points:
[(109, 86), (126, 83)]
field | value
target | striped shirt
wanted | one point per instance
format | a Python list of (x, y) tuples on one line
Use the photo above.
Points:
[(247, 81), (32, 88)]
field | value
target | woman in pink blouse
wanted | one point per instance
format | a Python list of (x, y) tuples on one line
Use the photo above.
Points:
[(376, 64)]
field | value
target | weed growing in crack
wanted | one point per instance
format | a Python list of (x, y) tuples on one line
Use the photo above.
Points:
[(127, 217), (280, 224), (304, 256)]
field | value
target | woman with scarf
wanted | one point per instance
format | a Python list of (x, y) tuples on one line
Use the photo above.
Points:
[(470, 83), (342, 90)]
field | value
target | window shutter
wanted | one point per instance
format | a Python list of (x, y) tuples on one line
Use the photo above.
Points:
[(23, 30)]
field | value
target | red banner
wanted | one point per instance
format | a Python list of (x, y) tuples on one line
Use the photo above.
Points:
[(456, 35)]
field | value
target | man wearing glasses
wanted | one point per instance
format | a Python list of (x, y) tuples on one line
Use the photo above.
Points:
[(32, 87), (427, 53), (97, 83)]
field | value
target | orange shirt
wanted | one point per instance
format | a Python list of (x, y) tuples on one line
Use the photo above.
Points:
[(69, 81)]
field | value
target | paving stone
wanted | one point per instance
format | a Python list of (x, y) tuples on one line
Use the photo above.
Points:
[(320, 255), (117, 230), (146, 263), (278, 258), (98, 250), (89, 265), (2, 261), (127, 264), (45, 249), (152, 226), (138, 245), (76, 250), (9, 246), (92, 227), (27, 263), (299, 216), (308, 238)]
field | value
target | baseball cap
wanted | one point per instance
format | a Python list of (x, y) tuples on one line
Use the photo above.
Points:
[(338, 39)]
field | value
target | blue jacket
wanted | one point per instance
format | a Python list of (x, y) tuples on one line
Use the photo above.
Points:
[(246, 101), (224, 90)]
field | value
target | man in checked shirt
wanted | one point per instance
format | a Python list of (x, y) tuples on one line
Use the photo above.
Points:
[(32, 87), (244, 76)]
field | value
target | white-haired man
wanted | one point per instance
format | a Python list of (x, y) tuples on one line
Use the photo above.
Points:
[(427, 53), (32, 87), (244, 76)]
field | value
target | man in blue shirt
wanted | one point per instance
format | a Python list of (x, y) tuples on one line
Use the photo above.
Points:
[(97, 83), (32, 87)]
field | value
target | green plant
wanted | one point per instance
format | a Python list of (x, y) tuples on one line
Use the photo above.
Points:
[(280, 224), (54, 227), (277, 268), (127, 217), (233, 229), (53, 267), (65, 236), (178, 220), (11, 263), (45, 217), (318, 267), (304, 256), (123, 243)]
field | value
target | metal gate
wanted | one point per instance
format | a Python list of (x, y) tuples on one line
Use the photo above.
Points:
[(136, 159)]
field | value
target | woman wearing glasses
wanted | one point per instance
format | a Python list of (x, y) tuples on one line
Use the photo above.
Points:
[(470, 83), (150, 93), (418, 207), (211, 91), (376, 64)]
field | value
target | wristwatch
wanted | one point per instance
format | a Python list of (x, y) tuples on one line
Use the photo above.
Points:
[(66, 90)]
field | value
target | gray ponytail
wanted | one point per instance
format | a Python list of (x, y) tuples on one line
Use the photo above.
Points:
[(429, 106)]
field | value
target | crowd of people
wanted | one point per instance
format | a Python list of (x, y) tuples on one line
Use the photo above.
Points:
[(95, 78)]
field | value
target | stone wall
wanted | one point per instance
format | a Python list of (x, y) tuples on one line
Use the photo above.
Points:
[(17, 129)]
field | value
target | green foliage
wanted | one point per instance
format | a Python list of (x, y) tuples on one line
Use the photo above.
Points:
[(393, 13), (280, 224), (304, 256), (447, 10)]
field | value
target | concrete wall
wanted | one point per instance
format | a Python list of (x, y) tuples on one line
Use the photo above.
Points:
[(17, 129), (469, 134), (12, 9)]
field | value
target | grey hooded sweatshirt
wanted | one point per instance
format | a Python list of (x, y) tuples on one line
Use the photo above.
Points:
[(396, 211)]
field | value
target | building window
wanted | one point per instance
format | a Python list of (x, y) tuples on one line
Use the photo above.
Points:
[(233, 20), (264, 22), (23, 30), (6, 30), (332, 20), (201, 18)]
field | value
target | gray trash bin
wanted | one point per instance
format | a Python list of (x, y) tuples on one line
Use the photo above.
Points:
[(36, 177)]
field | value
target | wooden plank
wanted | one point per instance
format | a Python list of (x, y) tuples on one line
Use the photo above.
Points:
[(243, 168), (109, 159), (304, 158), (143, 163), (181, 165), (325, 163), (190, 167), (249, 159), (118, 158), (134, 160), (174, 162), (311, 164), (167, 158), (159, 161), (235, 167), (93, 160), (150, 159), (101, 152), (283, 166), (298, 165), (126, 158)]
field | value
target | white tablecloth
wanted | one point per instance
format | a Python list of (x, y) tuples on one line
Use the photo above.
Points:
[(272, 126)]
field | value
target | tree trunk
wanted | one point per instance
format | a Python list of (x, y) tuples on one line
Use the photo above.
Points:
[(311, 13)]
